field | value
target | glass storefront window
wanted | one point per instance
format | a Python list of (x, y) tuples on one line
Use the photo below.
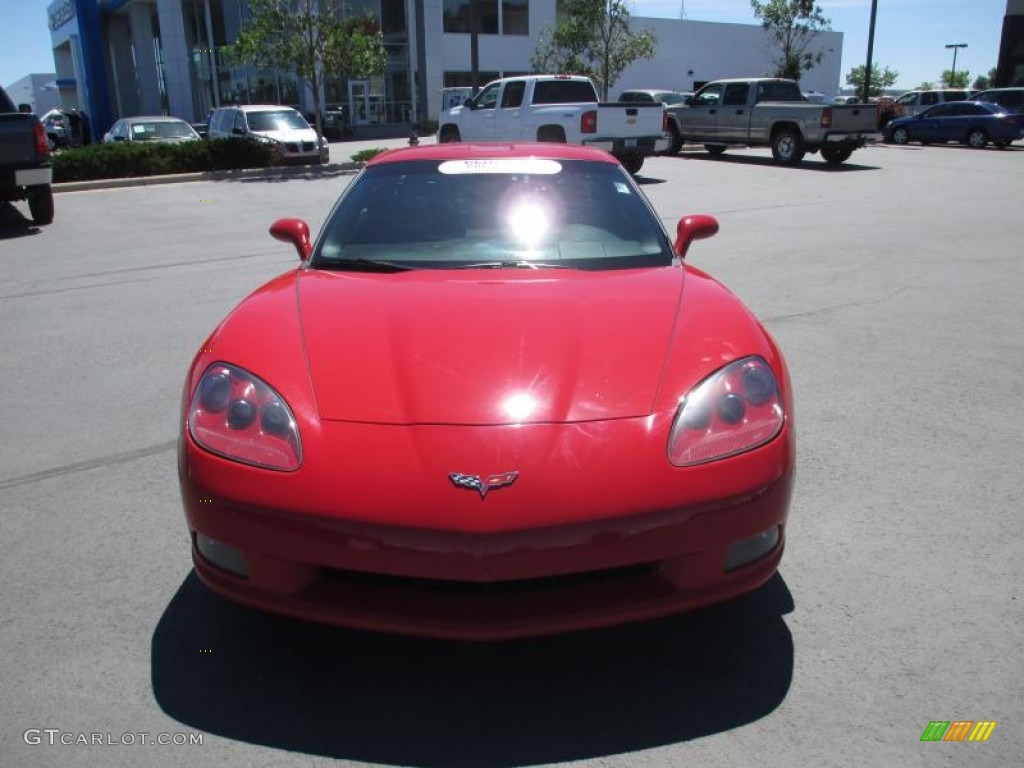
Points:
[(457, 16), (465, 79), (515, 17)]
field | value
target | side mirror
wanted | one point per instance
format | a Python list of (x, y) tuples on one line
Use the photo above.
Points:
[(294, 231), (467, 103), (697, 227), (238, 131), (688, 100)]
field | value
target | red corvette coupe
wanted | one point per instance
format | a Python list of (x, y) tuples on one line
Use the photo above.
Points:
[(491, 402)]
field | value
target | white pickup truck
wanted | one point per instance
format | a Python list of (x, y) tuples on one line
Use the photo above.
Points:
[(559, 108), (771, 112)]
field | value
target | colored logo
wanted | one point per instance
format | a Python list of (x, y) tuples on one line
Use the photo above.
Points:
[(483, 484), (958, 730)]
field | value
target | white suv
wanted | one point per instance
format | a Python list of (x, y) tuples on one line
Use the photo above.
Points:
[(295, 140)]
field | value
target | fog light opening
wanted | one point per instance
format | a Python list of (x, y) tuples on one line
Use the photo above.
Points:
[(222, 555), (746, 551)]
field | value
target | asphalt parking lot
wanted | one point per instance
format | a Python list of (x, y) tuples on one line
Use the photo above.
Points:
[(893, 285)]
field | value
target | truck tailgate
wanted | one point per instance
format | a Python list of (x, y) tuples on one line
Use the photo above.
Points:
[(625, 120), (17, 140), (854, 118)]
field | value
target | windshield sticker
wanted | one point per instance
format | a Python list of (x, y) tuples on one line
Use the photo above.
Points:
[(531, 165), (621, 188)]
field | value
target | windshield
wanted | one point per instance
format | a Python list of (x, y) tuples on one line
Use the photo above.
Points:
[(285, 120), (493, 212), (161, 129)]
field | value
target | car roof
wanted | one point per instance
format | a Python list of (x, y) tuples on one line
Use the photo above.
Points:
[(156, 118), (460, 151), (936, 90), (262, 107), (651, 90), (986, 104), (752, 80)]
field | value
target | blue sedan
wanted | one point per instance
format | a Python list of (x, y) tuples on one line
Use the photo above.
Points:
[(974, 123)]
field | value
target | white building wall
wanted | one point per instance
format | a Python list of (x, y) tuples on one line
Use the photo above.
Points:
[(38, 90), (691, 51)]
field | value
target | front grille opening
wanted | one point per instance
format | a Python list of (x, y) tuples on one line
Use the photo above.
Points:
[(360, 578)]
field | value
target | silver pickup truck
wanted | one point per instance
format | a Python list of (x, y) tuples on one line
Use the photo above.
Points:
[(771, 112)]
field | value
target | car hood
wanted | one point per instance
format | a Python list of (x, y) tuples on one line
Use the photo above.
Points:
[(469, 348), (291, 134)]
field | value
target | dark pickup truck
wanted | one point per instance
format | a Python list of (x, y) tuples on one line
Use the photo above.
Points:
[(25, 169)]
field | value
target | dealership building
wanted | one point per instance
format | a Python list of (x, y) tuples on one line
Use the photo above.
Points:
[(128, 57)]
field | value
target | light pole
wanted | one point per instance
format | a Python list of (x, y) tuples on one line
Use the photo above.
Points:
[(955, 47), (871, 46)]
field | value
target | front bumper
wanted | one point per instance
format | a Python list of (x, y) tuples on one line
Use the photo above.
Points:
[(487, 577)]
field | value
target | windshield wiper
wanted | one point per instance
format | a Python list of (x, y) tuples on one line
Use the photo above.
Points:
[(364, 265), (522, 264)]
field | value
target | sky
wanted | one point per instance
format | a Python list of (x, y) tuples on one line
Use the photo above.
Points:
[(910, 35)]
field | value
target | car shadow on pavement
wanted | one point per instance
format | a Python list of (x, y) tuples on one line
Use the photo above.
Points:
[(13, 223), (228, 670), (810, 163)]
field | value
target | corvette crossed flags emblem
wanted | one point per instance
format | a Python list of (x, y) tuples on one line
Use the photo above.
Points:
[(483, 484)]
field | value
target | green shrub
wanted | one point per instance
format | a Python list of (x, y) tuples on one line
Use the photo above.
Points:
[(364, 155), (233, 154), (121, 160)]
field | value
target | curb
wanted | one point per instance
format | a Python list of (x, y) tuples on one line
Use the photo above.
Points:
[(332, 169)]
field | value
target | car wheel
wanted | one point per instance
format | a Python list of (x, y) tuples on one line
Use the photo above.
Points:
[(1003, 144), (900, 135), (836, 155), (632, 163), (787, 146), (977, 138), (448, 134), (676, 142), (40, 203), (715, 149)]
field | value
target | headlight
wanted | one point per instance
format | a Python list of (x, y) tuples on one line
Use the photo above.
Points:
[(237, 415), (733, 410)]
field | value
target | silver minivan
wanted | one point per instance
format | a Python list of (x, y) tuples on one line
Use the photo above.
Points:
[(295, 140), (913, 102)]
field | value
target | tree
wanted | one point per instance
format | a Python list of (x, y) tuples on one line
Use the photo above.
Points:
[(311, 38), (926, 86), (958, 80), (880, 80), (984, 82), (593, 38), (793, 25)]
